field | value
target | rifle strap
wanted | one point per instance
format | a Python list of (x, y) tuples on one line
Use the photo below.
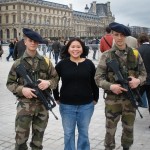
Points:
[(107, 42)]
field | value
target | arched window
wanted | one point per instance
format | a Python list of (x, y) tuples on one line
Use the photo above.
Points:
[(41, 32), (1, 34), (8, 34), (15, 33)]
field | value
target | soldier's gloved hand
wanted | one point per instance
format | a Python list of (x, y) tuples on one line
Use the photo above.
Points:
[(117, 89), (134, 82), (28, 92), (44, 84)]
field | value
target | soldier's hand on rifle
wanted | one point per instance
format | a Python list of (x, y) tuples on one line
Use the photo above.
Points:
[(133, 82), (28, 92), (44, 84), (117, 89)]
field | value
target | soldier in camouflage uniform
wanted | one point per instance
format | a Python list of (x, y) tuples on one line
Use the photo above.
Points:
[(116, 104), (30, 110)]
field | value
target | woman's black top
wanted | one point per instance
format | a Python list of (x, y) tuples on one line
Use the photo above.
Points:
[(78, 84)]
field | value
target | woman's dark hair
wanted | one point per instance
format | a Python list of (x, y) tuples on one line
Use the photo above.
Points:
[(85, 49), (143, 38)]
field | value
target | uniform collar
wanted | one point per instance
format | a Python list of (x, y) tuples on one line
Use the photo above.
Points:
[(119, 51), (26, 55), (115, 48)]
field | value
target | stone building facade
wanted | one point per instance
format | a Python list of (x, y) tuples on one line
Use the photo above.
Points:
[(52, 19)]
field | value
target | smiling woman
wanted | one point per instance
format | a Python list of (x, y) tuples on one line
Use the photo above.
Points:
[(78, 94)]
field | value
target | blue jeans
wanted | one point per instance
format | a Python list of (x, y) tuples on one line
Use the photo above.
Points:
[(56, 57), (80, 116)]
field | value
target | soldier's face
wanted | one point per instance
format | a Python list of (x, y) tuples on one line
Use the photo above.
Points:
[(119, 38), (30, 44)]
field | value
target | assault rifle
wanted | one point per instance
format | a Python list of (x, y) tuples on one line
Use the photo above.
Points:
[(44, 96), (132, 94)]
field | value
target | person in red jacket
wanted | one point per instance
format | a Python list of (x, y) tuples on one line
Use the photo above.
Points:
[(106, 41)]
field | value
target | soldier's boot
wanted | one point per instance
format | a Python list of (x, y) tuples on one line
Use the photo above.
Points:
[(21, 147)]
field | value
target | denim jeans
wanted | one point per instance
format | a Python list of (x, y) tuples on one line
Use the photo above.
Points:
[(56, 57), (80, 116)]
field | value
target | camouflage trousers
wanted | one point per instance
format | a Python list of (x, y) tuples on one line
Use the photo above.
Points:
[(30, 114), (114, 110)]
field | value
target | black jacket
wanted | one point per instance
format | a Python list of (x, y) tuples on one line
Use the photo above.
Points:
[(78, 84), (19, 49), (56, 46), (144, 50)]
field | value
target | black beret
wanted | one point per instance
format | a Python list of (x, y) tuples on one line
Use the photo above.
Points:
[(32, 35), (120, 28)]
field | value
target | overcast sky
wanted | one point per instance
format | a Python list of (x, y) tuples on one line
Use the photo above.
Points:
[(132, 12)]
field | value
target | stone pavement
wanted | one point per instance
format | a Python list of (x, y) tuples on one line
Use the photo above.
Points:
[(53, 138)]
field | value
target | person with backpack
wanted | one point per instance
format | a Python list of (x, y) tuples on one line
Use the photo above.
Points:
[(117, 103), (106, 41), (30, 110)]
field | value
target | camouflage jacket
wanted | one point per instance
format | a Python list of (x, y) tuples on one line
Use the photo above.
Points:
[(102, 73), (39, 64)]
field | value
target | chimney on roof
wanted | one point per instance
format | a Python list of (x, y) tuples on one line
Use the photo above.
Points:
[(94, 7), (86, 8), (108, 9), (70, 5)]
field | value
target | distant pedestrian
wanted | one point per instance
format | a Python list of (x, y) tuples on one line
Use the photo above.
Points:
[(144, 49), (62, 56), (44, 46), (49, 49), (118, 105), (1, 51), (19, 49), (94, 46), (11, 49), (56, 47), (106, 41)]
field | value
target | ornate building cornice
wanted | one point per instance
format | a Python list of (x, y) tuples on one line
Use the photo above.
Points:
[(37, 2)]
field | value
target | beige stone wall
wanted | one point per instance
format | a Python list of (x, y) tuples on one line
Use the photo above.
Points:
[(48, 21)]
